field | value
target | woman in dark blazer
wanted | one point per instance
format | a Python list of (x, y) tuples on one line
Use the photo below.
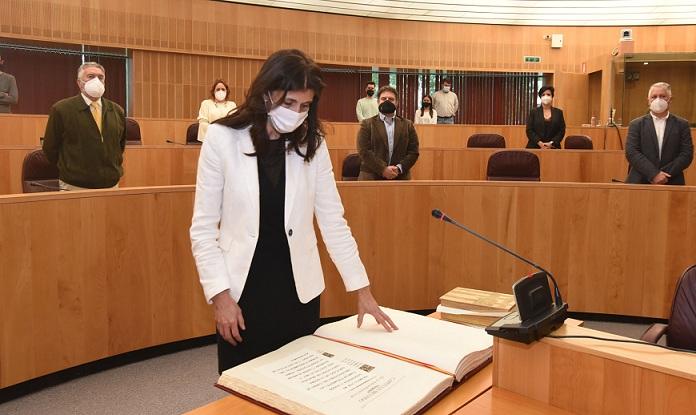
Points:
[(545, 124)]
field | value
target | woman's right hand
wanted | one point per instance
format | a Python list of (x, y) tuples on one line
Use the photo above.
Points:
[(228, 317)]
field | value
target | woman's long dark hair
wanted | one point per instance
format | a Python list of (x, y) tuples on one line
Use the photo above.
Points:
[(430, 109), (285, 70)]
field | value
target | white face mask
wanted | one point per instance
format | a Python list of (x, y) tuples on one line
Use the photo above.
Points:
[(446, 89), (94, 88), (220, 95), (658, 105), (285, 120), (546, 100)]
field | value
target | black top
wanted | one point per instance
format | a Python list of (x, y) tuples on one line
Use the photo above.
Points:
[(540, 129), (273, 314), (273, 161)]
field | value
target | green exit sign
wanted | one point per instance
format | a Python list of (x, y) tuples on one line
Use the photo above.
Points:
[(532, 59)]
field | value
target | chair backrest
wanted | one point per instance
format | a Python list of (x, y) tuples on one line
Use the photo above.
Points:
[(38, 174), (351, 167), (513, 165), (681, 331), (133, 136), (192, 134), (578, 142), (486, 141)]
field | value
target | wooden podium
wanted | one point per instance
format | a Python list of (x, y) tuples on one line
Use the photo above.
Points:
[(585, 376)]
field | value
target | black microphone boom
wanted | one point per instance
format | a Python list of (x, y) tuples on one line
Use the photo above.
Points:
[(437, 214), (535, 316)]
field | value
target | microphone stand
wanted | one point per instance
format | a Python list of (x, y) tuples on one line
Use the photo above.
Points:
[(437, 214)]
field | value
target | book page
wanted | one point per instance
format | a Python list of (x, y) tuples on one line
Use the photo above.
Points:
[(314, 376), (424, 339)]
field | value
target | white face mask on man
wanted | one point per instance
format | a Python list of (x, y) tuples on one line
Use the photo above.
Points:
[(94, 88), (658, 105), (285, 120), (446, 88)]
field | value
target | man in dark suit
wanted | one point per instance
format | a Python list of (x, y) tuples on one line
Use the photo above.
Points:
[(388, 145), (86, 135), (658, 146)]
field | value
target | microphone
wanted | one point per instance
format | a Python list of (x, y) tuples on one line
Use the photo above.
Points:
[(535, 316), (614, 180), (437, 214), (173, 142), (52, 188)]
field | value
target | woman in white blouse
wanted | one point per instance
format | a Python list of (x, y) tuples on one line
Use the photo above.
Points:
[(426, 114), (214, 108)]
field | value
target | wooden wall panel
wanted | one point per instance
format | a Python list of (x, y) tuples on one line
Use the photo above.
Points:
[(183, 32), (172, 85), (571, 96), (228, 29), (682, 77)]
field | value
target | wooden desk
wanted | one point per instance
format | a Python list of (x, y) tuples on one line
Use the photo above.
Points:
[(497, 401), (93, 274), (88, 275), (26, 129), (586, 376), (143, 165), (460, 396), (166, 165)]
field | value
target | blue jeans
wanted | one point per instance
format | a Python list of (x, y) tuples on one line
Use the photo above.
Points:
[(445, 120)]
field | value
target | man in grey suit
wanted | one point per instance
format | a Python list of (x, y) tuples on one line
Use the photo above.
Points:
[(8, 89), (387, 144), (658, 146)]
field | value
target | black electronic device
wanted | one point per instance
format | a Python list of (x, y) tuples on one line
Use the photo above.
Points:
[(536, 315)]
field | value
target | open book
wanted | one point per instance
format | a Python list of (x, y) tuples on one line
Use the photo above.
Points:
[(345, 370)]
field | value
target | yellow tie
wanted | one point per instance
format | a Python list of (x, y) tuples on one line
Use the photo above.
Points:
[(96, 113)]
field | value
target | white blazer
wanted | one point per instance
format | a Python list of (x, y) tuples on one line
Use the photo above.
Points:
[(225, 225)]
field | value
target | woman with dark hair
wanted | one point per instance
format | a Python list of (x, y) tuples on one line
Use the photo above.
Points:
[(215, 107), (545, 124), (426, 114), (264, 174)]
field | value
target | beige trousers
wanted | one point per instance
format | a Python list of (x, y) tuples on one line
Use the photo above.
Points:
[(68, 186)]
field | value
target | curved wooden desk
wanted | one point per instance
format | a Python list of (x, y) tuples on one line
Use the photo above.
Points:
[(166, 165), (143, 165), (88, 275)]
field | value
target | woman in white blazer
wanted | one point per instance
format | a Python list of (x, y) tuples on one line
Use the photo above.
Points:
[(264, 173)]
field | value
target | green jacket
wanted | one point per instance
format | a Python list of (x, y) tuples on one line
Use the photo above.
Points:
[(83, 156)]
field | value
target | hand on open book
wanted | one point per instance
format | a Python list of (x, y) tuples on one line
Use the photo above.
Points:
[(368, 305), (228, 317)]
